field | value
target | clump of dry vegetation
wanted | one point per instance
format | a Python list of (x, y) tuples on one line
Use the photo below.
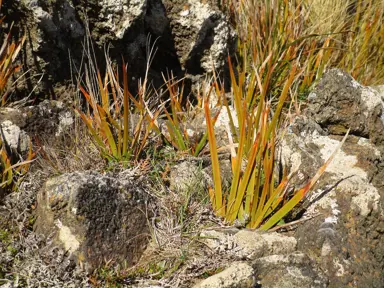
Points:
[(344, 34)]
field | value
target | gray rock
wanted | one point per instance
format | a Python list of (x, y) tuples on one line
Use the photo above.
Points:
[(238, 275), (271, 243), (94, 217), (288, 271), (211, 35), (347, 201), (48, 121), (187, 177), (17, 139), (246, 244), (340, 103), (344, 237), (186, 40)]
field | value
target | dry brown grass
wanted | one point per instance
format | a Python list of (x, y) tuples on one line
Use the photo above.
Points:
[(327, 33), (76, 152), (326, 16)]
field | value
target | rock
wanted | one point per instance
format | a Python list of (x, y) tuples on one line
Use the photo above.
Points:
[(17, 139), (49, 120), (344, 237), (249, 245), (187, 176), (303, 152), (288, 271), (255, 245), (184, 39), (194, 174), (350, 207), (96, 218), (340, 103), (238, 275), (213, 38)]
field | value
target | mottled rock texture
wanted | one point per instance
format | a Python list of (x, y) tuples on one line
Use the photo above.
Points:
[(339, 103), (95, 218), (188, 36), (345, 237), (289, 271), (238, 275), (46, 122)]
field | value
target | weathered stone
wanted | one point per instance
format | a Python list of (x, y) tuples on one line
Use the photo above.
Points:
[(14, 137), (344, 237), (185, 39), (212, 36), (187, 176), (253, 244), (238, 275), (48, 121), (288, 271), (95, 218), (250, 245), (340, 103)]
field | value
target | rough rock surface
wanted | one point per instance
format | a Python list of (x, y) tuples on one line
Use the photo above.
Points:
[(288, 271), (187, 176), (238, 275), (189, 36), (345, 237), (95, 218), (339, 103), (249, 245), (213, 38), (36, 262), (14, 137), (47, 121)]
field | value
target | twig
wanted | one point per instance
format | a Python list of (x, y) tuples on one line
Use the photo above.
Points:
[(290, 225)]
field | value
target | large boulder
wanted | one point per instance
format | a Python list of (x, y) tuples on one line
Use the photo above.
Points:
[(95, 218), (346, 205), (187, 35), (344, 237)]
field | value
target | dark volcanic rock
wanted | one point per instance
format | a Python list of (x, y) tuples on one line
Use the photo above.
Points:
[(185, 38), (94, 217), (345, 236), (340, 103)]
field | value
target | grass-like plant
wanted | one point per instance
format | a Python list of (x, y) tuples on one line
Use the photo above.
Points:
[(118, 122), (9, 50), (271, 35), (254, 197), (12, 169), (177, 115), (361, 50), (344, 34)]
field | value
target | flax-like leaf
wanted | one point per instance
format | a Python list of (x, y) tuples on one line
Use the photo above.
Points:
[(108, 133), (299, 195), (93, 132), (234, 198), (215, 162), (126, 112)]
